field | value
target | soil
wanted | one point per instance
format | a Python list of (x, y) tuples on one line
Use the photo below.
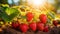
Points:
[(8, 30)]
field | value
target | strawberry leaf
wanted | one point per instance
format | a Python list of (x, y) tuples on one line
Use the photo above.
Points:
[(9, 14)]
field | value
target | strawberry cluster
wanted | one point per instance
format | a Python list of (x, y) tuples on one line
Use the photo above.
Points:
[(40, 25)]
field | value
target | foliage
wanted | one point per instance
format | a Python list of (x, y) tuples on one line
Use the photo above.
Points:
[(7, 14)]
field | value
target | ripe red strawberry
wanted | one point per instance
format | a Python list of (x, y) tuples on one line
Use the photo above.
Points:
[(33, 26), (40, 26), (43, 18), (55, 22), (15, 24), (46, 29), (29, 16), (23, 27)]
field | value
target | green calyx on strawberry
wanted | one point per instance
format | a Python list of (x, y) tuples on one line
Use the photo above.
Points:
[(33, 26), (29, 16), (23, 27), (15, 24), (55, 22), (43, 18), (46, 29), (40, 26)]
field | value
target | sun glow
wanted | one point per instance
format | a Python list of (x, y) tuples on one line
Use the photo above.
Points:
[(38, 2)]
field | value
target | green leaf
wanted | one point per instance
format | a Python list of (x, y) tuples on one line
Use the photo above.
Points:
[(9, 14), (51, 14), (48, 20)]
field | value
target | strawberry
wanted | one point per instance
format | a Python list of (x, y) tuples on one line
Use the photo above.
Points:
[(40, 26), (29, 16), (55, 22), (15, 24), (43, 18), (33, 26), (23, 27), (46, 29)]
